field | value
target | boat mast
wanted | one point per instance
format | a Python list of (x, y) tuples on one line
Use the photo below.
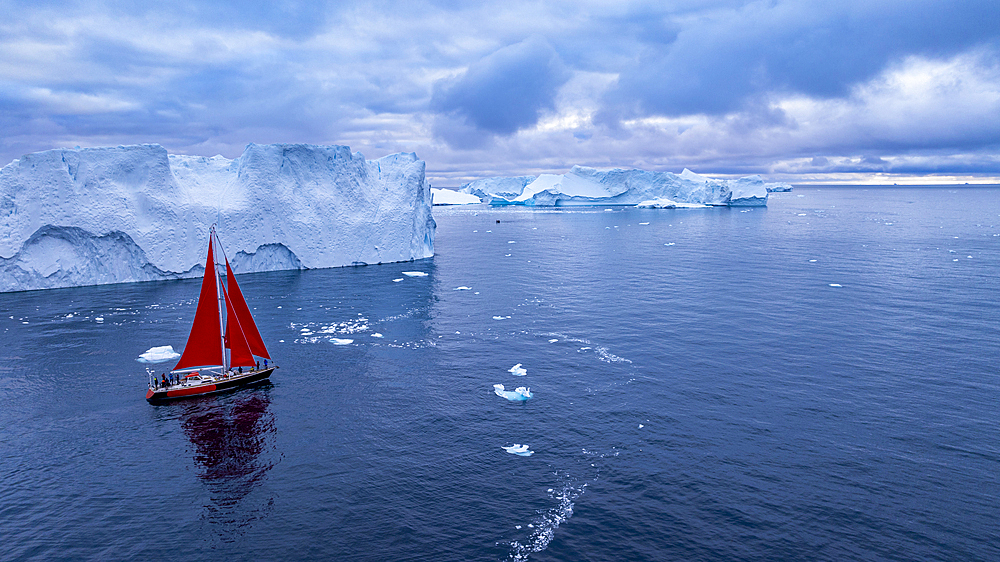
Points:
[(222, 303)]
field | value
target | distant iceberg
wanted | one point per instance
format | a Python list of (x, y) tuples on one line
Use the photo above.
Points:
[(590, 186), (71, 217), (518, 394), (452, 197), (158, 354)]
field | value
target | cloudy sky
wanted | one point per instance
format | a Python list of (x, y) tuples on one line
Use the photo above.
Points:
[(793, 89)]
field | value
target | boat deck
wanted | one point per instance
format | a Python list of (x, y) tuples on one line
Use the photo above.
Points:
[(202, 384)]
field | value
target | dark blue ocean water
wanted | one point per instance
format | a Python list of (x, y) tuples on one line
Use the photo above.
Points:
[(701, 392)]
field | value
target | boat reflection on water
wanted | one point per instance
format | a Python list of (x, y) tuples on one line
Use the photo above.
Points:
[(233, 436)]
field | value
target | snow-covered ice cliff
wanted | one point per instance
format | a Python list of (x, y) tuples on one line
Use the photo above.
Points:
[(72, 217), (589, 186)]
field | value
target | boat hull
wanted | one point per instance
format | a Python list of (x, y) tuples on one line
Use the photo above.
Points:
[(177, 392)]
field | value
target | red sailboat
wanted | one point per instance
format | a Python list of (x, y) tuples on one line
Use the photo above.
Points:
[(222, 322)]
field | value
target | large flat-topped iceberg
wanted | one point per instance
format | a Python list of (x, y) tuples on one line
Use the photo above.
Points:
[(72, 217), (589, 186)]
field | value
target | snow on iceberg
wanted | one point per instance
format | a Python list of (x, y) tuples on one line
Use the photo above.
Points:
[(452, 197), (71, 217), (518, 394), (590, 186), (518, 449), (158, 354), (518, 370)]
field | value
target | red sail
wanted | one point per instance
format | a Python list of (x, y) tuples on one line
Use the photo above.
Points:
[(204, 346), (236, 341), (243, 313)]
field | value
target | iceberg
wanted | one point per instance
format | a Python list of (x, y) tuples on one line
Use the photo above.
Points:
[(452, 197), (518, 449), (71, 217), (590, 186), (158, 354), (518, 394), (518, 370)]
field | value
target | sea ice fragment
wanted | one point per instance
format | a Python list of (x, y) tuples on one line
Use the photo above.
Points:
[(518, 394), (520, 450), (415, 274), (341, 341), (158, 354), (518, 370)]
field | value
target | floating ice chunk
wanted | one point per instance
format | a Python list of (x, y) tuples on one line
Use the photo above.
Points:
[(518, 394), (397, 280), (158, 354), (99, 319), (377, 335), (836, 285), (643, 223), (507, 255), (640, 426), (553, 340), (500, 317), (812, 261), (802, 214), (463, 288), (518, 370), (415, 274), (517, 526), (341, 341), (669, 244), (512, 242), (70, 315), (518, 449)]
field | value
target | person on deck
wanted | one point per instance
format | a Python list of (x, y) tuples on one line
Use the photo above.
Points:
[(241, 369), (164, 380)]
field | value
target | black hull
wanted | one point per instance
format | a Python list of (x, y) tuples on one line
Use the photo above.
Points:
[(177, 392)]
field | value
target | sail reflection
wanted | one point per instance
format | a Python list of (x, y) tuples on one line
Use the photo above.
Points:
[(234, 449)]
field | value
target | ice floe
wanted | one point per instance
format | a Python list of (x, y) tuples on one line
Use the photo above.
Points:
[(518, 394), (341, 341), (397, 280), (518, 370), (158, 354), (463, 288), (518, 449), (836, 285), (415, 274), (377, 335)]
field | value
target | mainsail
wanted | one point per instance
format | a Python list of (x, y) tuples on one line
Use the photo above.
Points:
[(244, 316), (236, 341), (208, 341)]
